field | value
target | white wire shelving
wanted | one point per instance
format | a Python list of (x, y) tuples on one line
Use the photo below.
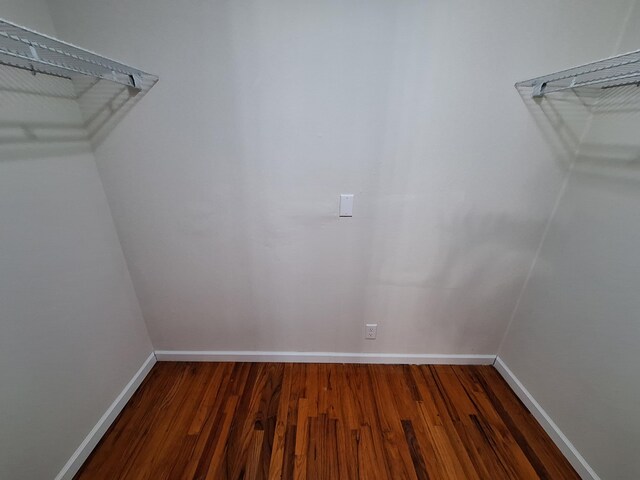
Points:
[(619, 71), (26, 49)]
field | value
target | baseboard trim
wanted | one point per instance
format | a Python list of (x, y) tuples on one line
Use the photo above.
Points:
[(322, 357), (96, 433), (566, 447)]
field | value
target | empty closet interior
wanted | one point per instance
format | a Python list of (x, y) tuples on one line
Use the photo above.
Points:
[(319, 239)]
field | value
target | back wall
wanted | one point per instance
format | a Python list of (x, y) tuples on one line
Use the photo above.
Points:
[(224, 180)]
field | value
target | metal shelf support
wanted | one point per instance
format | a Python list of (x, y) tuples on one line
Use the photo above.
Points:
[(26, 49), (621, 70)]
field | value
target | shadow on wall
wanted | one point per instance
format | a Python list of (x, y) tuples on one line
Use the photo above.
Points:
[(593, 129), (44, 116), (103, 104), (39, 116), (611, 146), (562, 118)]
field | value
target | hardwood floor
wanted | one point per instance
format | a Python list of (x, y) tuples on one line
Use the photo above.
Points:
[(265, 420)]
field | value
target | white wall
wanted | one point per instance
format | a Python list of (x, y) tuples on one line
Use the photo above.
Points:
[(575, 338), (71, 330), (224, 180)]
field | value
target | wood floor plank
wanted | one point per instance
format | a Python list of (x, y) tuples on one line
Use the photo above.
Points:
[(345, 425), (450, 456), (543, 454), (169, 449), (266, 419), (433, 465), (276, 461), (322, 453), (371, 417), (253, 463), (289, 458), (412, 410), (215, 464), (151, 460), (443, 425), (208, 400), (302, 440), (419, 464), (206, 421), (396, 447), (367, 459), (204, 435), (213, 440), (517, 463), (240, 436), (311, 388)]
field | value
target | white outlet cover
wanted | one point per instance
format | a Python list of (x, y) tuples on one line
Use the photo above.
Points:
[(371, 331), (346, 205)]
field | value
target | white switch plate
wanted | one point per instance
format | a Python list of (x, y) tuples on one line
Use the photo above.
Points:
[(346, 205), (371, 330)]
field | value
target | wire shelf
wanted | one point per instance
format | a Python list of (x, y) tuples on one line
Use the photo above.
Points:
[(23, 48), (621, 70)]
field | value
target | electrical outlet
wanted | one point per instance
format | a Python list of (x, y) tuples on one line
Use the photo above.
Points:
[(371, 330)]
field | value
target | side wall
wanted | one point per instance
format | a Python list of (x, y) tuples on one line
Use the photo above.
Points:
[(575, 339), (71, 330)]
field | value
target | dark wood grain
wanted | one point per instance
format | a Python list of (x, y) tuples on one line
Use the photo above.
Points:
[(209, 421), (414, 448)]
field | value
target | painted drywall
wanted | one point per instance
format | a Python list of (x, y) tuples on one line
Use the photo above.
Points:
[(575, 338), (71, 330), (224, 180)]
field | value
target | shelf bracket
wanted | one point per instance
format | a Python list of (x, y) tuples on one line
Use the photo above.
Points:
[(136, 81), (538, 90)]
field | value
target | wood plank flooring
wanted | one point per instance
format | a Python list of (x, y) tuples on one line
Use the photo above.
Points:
[(211, 421)]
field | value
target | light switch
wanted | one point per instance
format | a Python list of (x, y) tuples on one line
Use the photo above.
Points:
[(346, 205)]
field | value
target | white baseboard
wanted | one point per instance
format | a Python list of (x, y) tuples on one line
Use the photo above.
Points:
[(566, 447), (322, 357), (96, 433)]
